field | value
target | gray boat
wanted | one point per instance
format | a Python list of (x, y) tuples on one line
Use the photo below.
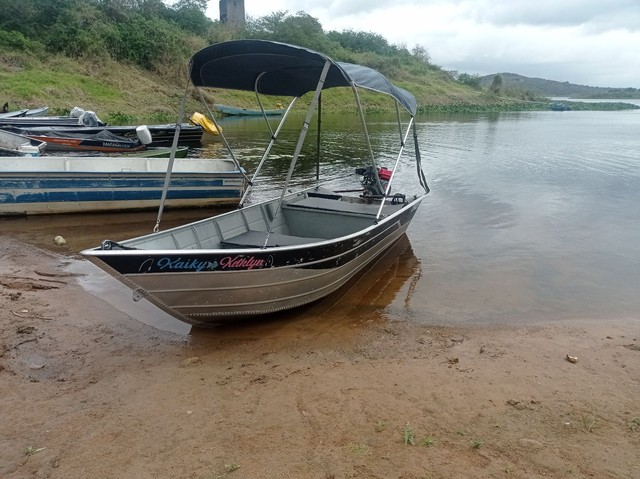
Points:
[(14, 144), (289, 250)]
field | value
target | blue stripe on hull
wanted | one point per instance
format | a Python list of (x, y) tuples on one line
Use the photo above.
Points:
[(109, 182), (20, 189), (61, 196)]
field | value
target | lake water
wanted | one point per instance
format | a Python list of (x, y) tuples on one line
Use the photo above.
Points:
[(532, 216)]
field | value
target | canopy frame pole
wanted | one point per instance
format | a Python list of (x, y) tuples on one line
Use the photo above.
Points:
[(393, 171), (421, 176), (301, 138), (399, 117), (172, 157), (367, 136), (318, 142), (265, 155), (264, 113)]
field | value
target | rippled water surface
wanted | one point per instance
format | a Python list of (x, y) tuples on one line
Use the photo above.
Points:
[(532, 216)]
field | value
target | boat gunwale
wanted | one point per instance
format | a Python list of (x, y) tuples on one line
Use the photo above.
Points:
[(98, 251)]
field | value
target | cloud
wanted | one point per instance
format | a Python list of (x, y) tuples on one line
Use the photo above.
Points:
[(590, 42), (591, 15)]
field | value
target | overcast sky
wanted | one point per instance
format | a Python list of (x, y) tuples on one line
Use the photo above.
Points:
[(588, 42)]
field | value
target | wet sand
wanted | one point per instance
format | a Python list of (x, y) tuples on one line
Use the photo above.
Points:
[(340, 389)]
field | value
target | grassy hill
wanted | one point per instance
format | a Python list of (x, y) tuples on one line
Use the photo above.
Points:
[(121, 93), (551, 88)]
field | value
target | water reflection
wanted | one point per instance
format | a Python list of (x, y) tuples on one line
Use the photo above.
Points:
[(342, 314), (532, 217)]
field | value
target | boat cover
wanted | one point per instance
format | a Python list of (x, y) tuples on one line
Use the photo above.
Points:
[(102, 135), (273, 68)]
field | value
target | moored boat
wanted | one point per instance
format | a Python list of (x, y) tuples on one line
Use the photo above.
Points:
[(103, 141), (41, 111), (83, 118), (5, 113), (161, 135), (289, 250), (14, 144), (559, 106), (74, 184), (238, 111)]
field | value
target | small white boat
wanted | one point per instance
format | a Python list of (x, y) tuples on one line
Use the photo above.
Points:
[(14, 144), (239, 111), (75, 184), (296, 247), (24, 112), (41, 111)]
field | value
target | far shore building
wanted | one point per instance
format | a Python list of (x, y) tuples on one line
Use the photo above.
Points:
[(232, 12)]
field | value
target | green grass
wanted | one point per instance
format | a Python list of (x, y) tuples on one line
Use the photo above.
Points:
[(358, 449), (231, 467), (409, 437), (588, 422), (427, 441), (31, 85), (380, 426), (121, 93), (30, 451)]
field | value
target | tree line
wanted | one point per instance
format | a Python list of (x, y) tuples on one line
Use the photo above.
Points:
[(154, 35)]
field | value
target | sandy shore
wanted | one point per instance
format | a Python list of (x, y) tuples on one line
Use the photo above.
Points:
[(89, 392)]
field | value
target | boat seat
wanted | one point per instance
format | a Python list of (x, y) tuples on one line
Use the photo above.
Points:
[(256, 239), (327, 195), (324, 204)]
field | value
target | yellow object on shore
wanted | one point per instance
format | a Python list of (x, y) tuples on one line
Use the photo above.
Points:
[(206, 124)]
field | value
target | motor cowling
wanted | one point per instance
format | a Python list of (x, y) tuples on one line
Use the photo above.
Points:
[(369, 183)]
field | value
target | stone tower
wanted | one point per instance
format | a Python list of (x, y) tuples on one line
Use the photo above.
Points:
[(232, 12)]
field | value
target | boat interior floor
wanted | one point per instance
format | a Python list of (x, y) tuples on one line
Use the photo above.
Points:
[(260, 239)]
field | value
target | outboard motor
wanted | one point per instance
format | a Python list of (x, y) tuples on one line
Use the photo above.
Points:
[(368, 180), (144, 135), (371, 188), (89, 118), (76, 112)]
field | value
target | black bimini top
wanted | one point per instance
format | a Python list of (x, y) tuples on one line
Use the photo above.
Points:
[(272, 68)]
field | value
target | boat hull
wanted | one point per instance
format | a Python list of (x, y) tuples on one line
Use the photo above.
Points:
[(40, 121), (208, 287), (14, 144), (69, 143), (161, 135), (25, 113), (160, 152), (53, 185), (237, 111)]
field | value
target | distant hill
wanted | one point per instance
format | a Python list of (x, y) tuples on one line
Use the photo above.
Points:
[(552, 88)]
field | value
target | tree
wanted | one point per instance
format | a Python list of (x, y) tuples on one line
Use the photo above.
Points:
[(496, 84), (361, 42), (421, 53), (200, 5), (470, 80), (299, 29), (191, 16)]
